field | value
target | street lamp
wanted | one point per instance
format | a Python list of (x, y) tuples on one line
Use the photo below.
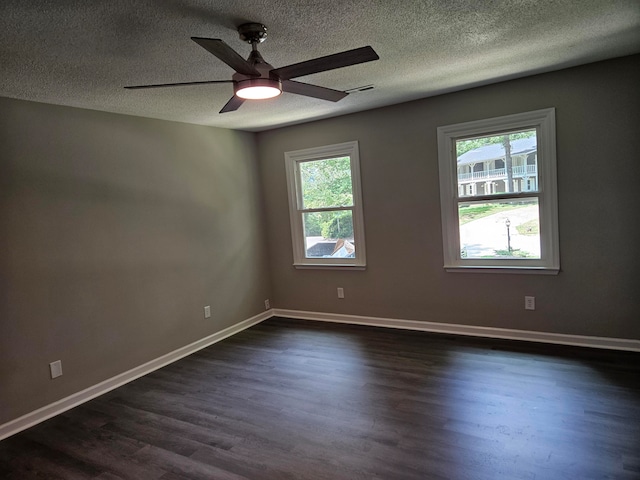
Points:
[(508, 224)]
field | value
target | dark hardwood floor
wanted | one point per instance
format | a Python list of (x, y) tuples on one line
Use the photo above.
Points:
[(290, 399)]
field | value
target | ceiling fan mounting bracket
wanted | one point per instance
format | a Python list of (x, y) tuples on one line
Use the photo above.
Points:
[(252, 33)]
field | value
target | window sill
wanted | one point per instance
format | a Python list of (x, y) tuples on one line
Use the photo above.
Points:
[(337, 266), (510, 270)]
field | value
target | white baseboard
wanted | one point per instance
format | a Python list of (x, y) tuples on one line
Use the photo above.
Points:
[(56, 408), (53, 409), (456, 329)]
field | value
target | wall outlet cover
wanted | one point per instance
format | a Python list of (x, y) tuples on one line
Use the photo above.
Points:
[(56, 368), (529, 303)]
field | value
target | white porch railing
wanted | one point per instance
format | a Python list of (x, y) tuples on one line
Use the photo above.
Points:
[(499, 173)]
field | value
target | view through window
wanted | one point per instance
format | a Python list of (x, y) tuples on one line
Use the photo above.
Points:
[(327, 203), (491, 166)]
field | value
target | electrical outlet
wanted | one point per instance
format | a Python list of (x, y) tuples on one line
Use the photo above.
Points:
[(529, 303), (340, 292), (56, 368), (207, 311), (267, 304)]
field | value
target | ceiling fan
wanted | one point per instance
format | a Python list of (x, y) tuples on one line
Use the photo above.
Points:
[(256, 79)]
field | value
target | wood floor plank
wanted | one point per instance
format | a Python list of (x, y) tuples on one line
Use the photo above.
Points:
[(98, 447), (290, 399), (41, 462)]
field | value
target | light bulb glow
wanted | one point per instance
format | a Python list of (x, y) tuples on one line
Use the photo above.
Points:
[(258, 88), (258, 93)]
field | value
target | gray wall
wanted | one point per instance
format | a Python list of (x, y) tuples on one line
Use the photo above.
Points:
[(115, 232), (596, 293)]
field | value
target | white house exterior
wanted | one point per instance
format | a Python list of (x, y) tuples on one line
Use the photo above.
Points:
[(482, 171)]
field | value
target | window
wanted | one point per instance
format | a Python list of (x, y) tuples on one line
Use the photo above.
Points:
[(325, 205), (498, 194)]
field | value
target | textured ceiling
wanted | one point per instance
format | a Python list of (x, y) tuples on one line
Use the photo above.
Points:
[(81, 53)]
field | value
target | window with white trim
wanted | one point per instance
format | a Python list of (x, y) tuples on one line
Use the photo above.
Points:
[(325, 206), (498, 194)]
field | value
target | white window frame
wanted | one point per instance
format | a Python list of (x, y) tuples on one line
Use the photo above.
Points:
[(296, 210), (547, 194)]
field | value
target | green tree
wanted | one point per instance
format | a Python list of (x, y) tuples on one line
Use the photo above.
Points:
[(313, 223), (326, 183), (340, 226)]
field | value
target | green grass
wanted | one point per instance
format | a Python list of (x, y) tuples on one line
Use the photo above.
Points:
[(532, 227), (515, 252), (474, 212)]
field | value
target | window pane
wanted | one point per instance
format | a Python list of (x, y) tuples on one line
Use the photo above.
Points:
[(498, 164), (500, 229), (326, 183), (329, 234)]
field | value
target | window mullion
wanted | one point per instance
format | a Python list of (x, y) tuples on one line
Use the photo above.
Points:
[(327, 209), (298, 181), (497, 196)]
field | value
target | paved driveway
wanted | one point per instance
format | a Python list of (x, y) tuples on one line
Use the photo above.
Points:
[(484, 236)]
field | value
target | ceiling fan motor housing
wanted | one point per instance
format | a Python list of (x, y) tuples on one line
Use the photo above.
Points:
[(252, 32)]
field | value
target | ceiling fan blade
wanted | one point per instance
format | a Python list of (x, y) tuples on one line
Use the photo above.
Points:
[(330, 62), (182, 84), (315, 91), (227, 54), (233, 104)]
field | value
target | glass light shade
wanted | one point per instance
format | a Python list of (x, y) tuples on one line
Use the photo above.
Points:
[(258, 88)]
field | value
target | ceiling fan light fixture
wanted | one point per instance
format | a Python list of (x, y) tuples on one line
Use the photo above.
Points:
[(258, 88), (255, 79)]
